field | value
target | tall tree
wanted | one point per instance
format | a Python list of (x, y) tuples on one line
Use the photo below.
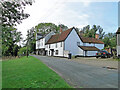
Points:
[(90, 32), (12, 13), (31, 41), (46, 28), (106, 41), (10, 38), (62, 26), (101, 33), (110, 40)]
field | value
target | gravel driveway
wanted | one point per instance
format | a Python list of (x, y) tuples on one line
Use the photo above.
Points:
[(82, 75), (101, 62)]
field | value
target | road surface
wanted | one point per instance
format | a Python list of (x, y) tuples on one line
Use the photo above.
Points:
[(81, 75)]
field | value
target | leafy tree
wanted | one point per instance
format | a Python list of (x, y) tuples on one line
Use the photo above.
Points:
[(90, 32), (30, 41), (10, 38), (113, 42), (12, 13), (110, 40), (101, 33), (106, 41), (46, 28), (22, 51), (62, 26)]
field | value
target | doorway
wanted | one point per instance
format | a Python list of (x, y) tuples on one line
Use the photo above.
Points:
[(52, 52)]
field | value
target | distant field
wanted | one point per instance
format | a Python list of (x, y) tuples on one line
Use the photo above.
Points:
[(29, 73)]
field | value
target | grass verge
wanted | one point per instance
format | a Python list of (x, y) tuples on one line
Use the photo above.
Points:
[(29, 73)]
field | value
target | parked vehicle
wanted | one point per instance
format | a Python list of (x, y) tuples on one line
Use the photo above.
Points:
[(103, 54)]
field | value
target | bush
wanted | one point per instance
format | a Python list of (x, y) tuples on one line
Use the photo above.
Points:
[(22, 51)]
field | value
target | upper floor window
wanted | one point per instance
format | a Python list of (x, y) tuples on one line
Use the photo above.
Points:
[(78, 43), (38, 45), (49, 45), (61, 44), (56, 45)]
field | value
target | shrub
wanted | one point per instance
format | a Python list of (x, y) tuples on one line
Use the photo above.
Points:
[(22, 51)]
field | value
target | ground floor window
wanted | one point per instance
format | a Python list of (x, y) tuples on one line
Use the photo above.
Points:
[(49, 52), (56, 52), (46, 52)]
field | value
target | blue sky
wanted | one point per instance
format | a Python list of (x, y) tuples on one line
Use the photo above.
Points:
[(77, 14), (104, 14)]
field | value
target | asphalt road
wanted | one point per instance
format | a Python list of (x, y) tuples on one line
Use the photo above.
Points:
[(81, 75)]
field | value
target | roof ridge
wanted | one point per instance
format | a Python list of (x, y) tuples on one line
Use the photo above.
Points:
[(61, 37)]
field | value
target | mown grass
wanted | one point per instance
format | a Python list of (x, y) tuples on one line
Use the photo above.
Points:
[(29, 73)]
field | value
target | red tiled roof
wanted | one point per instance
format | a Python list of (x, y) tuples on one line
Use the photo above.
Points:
[(91, 40), (89, 48), (118, 31), (59, 37)]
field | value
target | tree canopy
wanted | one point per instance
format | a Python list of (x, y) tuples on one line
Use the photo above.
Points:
[(90, 32), (12, 13)]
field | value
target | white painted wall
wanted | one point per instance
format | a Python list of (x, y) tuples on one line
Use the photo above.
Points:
[(99, 46), (41, 43), (88, 44), (118, 50), (118, 39), (37, 44), (71, 43), (53, 46), (91, 53), (118, 44)]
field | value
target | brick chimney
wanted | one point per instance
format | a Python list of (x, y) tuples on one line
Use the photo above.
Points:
[(81, 33), (97, 36), (60, 29)]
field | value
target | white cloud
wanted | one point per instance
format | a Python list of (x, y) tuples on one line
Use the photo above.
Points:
[(56, 12)]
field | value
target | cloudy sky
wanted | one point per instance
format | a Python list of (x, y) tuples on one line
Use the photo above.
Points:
[(77, 13)]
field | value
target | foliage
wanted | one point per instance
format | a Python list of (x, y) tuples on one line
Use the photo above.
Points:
[(12, 14), (30, 73), (13, 11), (10, 38), (22, 51), (31, 40), (44, 28), (62, 26), (110, 40), (90, 32), (106, 41)]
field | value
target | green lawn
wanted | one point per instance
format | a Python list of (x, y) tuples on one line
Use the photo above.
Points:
[(29, 73)]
